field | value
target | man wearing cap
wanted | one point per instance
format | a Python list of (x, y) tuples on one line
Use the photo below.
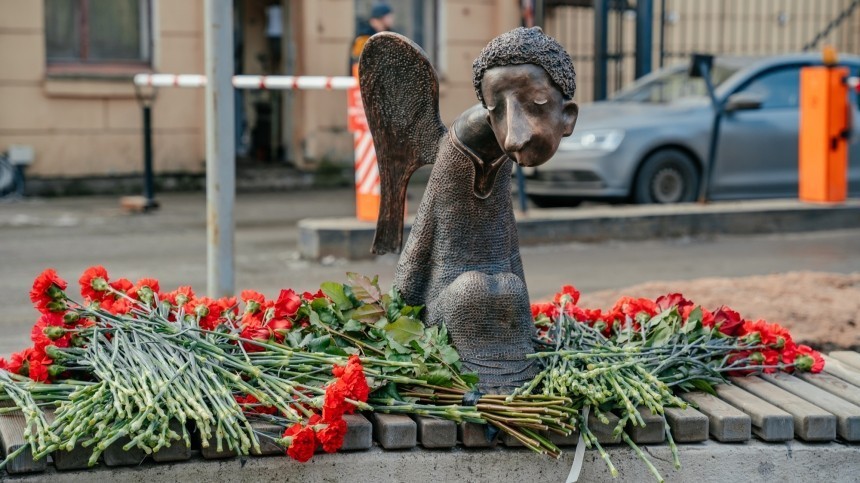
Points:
[(381, 20)]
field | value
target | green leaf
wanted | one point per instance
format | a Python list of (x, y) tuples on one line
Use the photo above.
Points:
[(367, 313), (335, 350), (469, 378), (320, 344), (695, 315), (439, 377), (448, 354), (387, 391), (703, 385), (405, 330), (335, 291), (352, 325), (365, 289), (398, 347)]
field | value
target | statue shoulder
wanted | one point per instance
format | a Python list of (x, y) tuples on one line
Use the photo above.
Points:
[(473, 129)]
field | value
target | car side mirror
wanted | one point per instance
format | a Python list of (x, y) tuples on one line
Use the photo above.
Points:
[(743, 101)]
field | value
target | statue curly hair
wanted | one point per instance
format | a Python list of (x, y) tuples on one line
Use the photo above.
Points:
[(526, 46)]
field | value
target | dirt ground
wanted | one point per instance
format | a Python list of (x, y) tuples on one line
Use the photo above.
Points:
[(820, 309)]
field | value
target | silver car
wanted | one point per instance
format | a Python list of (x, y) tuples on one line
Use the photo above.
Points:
[(649, 144)]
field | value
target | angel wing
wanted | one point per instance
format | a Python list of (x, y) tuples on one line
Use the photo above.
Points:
[(400, 92)]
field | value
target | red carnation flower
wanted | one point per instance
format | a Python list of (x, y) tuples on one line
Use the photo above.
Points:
[(47, 292), (94, 283), (631, 307), (145, 290), (122, 285), (332, 435), (352, 376), (808, 360), (303, 445), (546, 309), (569, 290), (180, 297), (49, 330), (334, 403), (254, 301)]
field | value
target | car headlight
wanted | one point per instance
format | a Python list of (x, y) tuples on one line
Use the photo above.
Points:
[(597, 140)]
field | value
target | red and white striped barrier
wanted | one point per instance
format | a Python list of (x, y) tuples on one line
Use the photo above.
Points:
[(273, 82), (367, 195)]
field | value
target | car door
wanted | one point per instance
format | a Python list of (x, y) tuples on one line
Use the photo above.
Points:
[(854, 140), (757, 149)]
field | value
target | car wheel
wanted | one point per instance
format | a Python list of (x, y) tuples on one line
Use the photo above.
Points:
[(667, 176), (544, 201)]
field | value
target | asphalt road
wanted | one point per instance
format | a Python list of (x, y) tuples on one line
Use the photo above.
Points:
[(71, 234)]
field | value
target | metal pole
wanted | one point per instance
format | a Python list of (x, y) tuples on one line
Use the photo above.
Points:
[(148, 184), (662, 32), (220, 148), (644, 36), (601, 46)]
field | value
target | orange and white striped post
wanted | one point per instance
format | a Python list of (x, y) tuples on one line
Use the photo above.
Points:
[(367, 194)]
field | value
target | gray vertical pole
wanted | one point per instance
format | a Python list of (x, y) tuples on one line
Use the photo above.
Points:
[(601, 47), (644, 36), (220, 148)]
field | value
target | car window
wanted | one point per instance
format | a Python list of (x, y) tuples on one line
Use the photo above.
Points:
[(671, 85), (777, 89)]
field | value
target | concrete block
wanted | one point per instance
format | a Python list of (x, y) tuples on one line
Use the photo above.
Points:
[(847, 414), (114, 455), (474, 435), (436, 433), (687, 425), (511, 442), (811, 423), (12, 435), (177, 451), (769, 422), (653, 432), (849, 358), (76, 459), (725, 423), (603, 432), (210, 451), (833, 385), (394, 431), (266, 433), (359, 433)]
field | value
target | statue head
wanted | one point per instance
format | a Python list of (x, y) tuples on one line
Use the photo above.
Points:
[(526, 81)]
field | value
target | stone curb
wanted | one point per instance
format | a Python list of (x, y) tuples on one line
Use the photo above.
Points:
[(706, 462), (351, 239)]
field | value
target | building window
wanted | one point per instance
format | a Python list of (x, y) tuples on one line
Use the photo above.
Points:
[(98, 31)]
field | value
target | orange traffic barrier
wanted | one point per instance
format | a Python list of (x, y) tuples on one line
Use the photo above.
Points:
[(825, 119), (367, 192)]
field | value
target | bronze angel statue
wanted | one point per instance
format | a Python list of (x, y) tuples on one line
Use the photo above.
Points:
[(462, 258)]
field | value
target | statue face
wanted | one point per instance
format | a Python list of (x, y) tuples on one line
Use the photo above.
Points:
[(527, 112)]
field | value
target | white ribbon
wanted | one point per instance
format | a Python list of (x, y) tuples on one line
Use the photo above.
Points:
[(579, 456)]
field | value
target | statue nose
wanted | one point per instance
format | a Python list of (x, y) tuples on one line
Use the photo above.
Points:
[(519, 131)]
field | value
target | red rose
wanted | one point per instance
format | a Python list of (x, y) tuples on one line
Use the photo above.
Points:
[(94, 283), (728, 321), (47, 292), (332, 435), (255, 332), (668, 301), (303, 445), (568, 290), (287, 305), (310, 297)]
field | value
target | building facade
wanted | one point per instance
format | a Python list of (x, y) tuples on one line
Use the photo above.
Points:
[(66, 68)]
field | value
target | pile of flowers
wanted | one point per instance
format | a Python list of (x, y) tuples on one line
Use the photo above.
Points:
[(128, 360)]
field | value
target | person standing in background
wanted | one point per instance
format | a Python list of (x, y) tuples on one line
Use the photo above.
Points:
[(381, 20)]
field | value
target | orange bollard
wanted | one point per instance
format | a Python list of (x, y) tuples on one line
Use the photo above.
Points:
[(367, 193), (825, 118)]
